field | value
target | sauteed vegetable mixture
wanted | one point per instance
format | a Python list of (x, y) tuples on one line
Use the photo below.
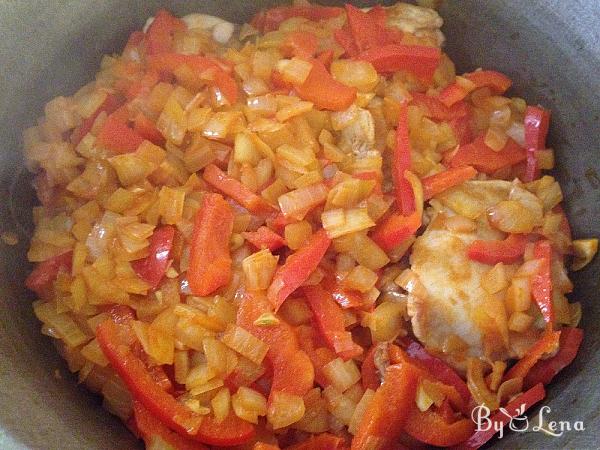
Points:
[(305, 232)]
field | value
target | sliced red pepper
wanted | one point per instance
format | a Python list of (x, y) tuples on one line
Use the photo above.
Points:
[(346, 40), (329, 319), (292, 369), (461, 126), (302, 44), (318, 354), (431, 428), (547, 344), (263, 446), (159, 37), (210, 260), (438, 110), (541, 282), (168, 63), (388, 411), (153, 267), (147, 130), (117, 137), (508, 251), (264, 237), (367, 28), (546, 369), (159, 403), (401, 160), (537, 122), (419, 60), (438, 368), (439, 182), (110, 105), (395, 229), (524, 401), (323, 441), (270, 19), (324, 90), (326, 57), (498, 82), (235, 189), (486, 160), (369, 373), (42, 277), (149, 427), (297, 268), (452, 94), (346, 298)]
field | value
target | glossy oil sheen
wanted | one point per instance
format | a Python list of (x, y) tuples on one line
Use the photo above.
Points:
[(549, 48)]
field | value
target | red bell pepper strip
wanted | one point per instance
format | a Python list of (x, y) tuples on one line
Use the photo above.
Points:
[(452, 94), (496, 81), (159, 37), (436, 367), (326, 57), (367, 28), (401, 160), (297, 268), (523, 402), (508, 251), (210, 261), (42, 277), (541, 282), (147, 130), (395, 229), (329, 319), (263, 446), (149, 428), (117, 137), (345, 39), (159, 403), (323, 441), (537, 122), (153, 267), (270, 19), (235, 189), (292, 369), (546, 369), (264, 237), (324, 90), (438, 110), (388, 411), (302, 44), (419, 60), (547, 344), (439, 182), (168, 63), (110, 105), (461, 126), (369, 374), (318, 354), (346, 298), (431, 428), (486, 160)]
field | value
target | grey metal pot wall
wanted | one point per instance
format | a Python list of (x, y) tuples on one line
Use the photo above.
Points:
[(550, 48)]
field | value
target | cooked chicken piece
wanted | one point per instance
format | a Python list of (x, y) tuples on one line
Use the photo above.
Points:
[(424, 23), (455, 315), (359, 136)]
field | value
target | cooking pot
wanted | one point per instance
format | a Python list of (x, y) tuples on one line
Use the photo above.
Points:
[(549, 48)]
